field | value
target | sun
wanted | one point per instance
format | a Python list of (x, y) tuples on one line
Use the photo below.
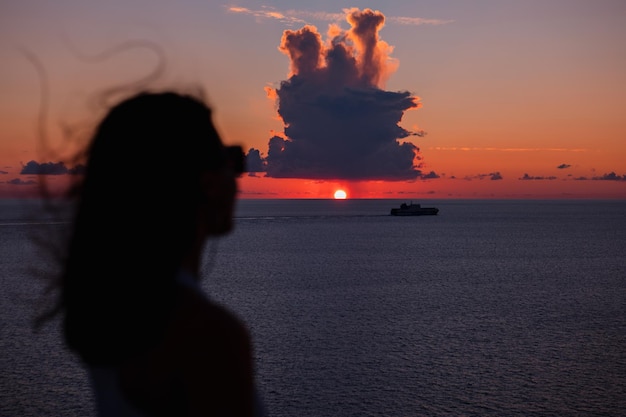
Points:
[(340, 195)]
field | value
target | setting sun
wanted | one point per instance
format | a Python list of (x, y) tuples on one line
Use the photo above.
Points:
[(340, 195)]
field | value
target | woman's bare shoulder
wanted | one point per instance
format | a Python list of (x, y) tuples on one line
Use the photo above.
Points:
[(204, 321), (215, 353)]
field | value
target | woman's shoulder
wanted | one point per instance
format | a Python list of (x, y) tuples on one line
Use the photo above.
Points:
[(215, 355), (203, 363), (197, 317)]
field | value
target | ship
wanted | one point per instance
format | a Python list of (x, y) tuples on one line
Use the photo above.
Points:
[(413, 210)]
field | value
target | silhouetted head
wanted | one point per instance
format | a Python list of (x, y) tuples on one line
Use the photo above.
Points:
[(158, 180), (159, 156)]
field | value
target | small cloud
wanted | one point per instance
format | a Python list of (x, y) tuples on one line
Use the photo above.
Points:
[(3, 172), (611, 176), (304, 16), (254, 161), (45, 168), (18, 181), (493, 176), (50, 168), (529, 177), (430, 175), (77, 170), (564, 166), (417, 21), (268, 13)]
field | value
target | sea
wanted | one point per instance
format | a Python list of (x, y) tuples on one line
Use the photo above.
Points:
[(490, 308)]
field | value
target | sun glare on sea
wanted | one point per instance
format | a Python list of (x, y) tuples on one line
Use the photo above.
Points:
[(340, 195)]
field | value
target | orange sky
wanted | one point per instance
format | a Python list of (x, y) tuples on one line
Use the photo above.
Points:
[(508, 91)]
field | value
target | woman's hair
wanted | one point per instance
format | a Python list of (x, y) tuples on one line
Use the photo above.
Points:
[(135, 220)]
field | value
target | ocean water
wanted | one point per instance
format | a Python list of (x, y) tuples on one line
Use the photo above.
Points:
[(491, 308)]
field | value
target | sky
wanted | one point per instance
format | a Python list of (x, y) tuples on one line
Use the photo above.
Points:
[(405, 99)]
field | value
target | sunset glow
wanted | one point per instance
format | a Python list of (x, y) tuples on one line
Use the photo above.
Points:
[(404, 101)]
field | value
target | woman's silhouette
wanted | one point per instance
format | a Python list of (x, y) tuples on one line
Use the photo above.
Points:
[(158, 182)]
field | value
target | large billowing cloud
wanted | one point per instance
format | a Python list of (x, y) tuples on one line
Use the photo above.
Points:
[(339, 121)]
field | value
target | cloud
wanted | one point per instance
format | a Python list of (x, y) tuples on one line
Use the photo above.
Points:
[(18, 181), (47, 168), (4, 172), (611, 176), (339, 121), (563, 166), (493, 176), (267, 13), (430, 175), (254, 162), (304, 16), (417, 21), (529, 177), (50, 168), (77, 170)]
